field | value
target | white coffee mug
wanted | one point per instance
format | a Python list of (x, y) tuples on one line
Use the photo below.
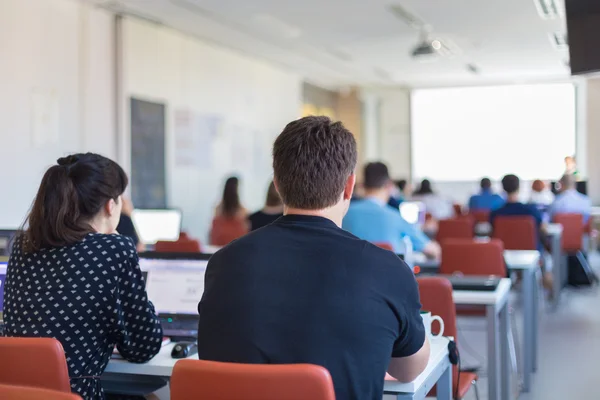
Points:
[(428, 320)]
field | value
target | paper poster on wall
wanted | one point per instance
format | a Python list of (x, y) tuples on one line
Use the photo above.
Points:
[(44, 117), (194, 138)]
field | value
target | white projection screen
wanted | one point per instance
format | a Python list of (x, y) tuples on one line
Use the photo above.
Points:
[(462, 134)]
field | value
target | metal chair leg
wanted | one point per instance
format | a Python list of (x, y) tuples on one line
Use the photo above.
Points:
[(512, 345), (474, 384)]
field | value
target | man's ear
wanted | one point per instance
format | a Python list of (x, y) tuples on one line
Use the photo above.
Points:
[(349, 188)]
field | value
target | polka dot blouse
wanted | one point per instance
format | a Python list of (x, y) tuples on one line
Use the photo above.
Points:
[(90, 296)]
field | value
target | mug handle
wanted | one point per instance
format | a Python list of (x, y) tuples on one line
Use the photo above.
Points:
[(441, 321)]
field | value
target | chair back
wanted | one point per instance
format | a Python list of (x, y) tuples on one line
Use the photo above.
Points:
[(226, 229), (455, 228), (470, 257), (384, 245), (516, 232), (480, 216), (573, 231), (436, 296), (9, 392), (199, 379), (34, 362), (180, 246), (457, 209)]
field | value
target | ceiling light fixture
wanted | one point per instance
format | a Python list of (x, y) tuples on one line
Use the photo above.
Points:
[(550, 9)]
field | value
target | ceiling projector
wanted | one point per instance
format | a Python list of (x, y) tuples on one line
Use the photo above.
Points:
[(427, 48)]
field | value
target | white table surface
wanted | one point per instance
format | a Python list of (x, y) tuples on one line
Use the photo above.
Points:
[(162, 365), (472, 297), (595, 212), (439, 351), (521, 259), (554, 229), (208, 249)]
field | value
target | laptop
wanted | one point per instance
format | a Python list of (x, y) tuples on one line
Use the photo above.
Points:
[(175, 284), (474, 283), (413, 212), (3, 265), (155, 225), (7, 237)]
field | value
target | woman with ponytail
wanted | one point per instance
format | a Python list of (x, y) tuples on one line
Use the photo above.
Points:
[(70, 264)]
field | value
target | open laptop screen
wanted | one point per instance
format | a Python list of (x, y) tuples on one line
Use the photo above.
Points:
[(413, 212), (2, 279), (174, 285), (155, 225)]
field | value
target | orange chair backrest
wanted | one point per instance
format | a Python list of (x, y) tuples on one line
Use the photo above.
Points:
[(180, 246), (516, 232), (198, 379), (573, 230), (385, 246), (225, 230), (36, 362), (455, 228), (480, 215), (473, 258), (9, 392)]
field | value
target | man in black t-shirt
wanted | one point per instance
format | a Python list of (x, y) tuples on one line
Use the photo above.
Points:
[(302, 290)]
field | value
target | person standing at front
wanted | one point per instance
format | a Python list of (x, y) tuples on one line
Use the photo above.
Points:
[(302, 290)]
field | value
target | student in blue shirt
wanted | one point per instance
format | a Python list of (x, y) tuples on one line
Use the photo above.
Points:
[(570, 200), (373, 220), (486, 199)]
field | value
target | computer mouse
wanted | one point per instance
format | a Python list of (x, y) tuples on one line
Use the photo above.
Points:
[(184, 349)]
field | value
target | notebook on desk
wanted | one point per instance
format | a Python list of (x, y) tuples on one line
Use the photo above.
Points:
[(175, 284)]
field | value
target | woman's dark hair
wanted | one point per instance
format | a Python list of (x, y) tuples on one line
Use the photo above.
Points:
[(425, 188), (273, 199), (230, 204), (70, 195), (401, 184)]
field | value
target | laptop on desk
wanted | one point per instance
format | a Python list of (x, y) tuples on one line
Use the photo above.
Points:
[(477, 283), (175, 284)]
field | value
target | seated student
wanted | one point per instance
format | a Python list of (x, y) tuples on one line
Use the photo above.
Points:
[(78, 270), (570, 200), (486, 200), (230, 205), (400, 191), (514, 207), (373, 220), (540, 196), (303, 290), (272, 210), (438, 206)]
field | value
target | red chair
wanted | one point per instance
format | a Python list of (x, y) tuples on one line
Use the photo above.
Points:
[(470, 257), (516, 232), (456, 228), (198, 379), (480, 216), (225, 230), (182, 245), (436, 296), (573, 231), (385, 246), (34, 362), (9, 392)]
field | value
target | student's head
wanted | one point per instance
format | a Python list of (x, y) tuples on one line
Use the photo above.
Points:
[(79, 195), (510, 184), (567, 182), (486, 184), (425, 188), (401, 184), (273, 199), (377, 177), (313, 164), (230, 203), (570, 162), (538, 186)]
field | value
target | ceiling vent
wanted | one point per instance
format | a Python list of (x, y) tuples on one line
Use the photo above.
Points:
[(559, 40), (550, 9)]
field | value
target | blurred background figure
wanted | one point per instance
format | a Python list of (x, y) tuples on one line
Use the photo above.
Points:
[(486, 199), (571, 167), (230, 205), (435, 204), (126, 226), (272, 210), (569, 200), (230, 221), (541, 195), (400, 192)]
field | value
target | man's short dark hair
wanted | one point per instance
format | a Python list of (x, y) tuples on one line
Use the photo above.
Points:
[(510, 183), (376, 175), (401, 184), (486, 183), (312, 160)]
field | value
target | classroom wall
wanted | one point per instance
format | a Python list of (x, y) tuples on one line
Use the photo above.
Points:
[(253, 99), (56, 84)]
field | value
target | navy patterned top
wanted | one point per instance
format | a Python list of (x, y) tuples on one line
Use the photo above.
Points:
[(90, 296)]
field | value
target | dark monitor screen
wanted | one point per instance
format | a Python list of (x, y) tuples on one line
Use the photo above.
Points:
[(583, 22), (580, 186)]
